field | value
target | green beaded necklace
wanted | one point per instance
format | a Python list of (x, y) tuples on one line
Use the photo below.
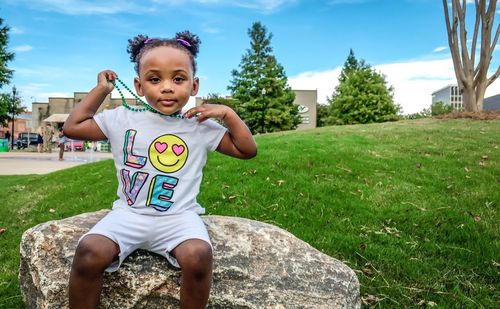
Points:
[(145, 106)]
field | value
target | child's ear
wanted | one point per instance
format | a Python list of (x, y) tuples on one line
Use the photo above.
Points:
[(138, 87), (196, 86)]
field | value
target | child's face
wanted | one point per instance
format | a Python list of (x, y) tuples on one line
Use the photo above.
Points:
[(166, 79)]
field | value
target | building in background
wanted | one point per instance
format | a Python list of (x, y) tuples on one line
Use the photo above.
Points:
[(449, 95), (492, 103), (63, 106), (306, 101), (22, 124)]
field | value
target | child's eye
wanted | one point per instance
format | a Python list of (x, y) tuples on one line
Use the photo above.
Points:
[(154, 80), (179, 79)]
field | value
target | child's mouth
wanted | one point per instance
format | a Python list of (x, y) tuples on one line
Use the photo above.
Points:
[(167, 103)]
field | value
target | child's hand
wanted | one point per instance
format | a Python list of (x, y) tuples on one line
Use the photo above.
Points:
[(207, 111), (106, 80)]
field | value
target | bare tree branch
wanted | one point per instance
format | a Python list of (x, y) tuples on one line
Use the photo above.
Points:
[(495, 40), (474, 38), (467, 67), (451, 28), (487, 17), (494, 76)]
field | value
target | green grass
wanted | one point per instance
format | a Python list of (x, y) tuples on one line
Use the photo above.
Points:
[(411, 206)]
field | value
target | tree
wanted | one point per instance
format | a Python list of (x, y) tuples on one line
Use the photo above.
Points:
[(440, 108), (5, 56), (361, 96), (350, 65), (260, 88), (321, 114), (214, 98), (472, 79), (9, 104), (425, 113)]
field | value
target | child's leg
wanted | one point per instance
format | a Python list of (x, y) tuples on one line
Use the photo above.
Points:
[(93, 255), (61, 151), (195, 259)]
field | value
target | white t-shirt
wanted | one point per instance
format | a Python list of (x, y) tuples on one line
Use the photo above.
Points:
[(158, 159)]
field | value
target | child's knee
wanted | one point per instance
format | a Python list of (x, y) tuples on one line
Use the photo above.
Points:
[(92, 255), (197, 255)]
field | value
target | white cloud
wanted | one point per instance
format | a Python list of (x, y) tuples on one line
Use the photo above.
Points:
[(208, 28), (439, 49), (22, 48), (413, 82), (266, 5), (81, 7), (33, 87), (324, 81), (47, 95), (334, 2), (15, 30), (42, 72)]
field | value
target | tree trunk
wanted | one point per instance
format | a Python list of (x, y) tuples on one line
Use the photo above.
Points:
[(469, 100), (480, 91)]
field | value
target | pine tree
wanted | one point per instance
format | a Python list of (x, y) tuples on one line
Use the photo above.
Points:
[(351, 64), (263, 98), (362, 96), (5, 56)]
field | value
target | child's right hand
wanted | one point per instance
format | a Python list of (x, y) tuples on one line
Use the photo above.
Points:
[(106, 80)]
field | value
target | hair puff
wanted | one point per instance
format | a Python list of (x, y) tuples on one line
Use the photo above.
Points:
[(135, 45), (192, 39)]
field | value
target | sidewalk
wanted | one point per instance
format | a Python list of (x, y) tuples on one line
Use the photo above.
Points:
[(26, 162)]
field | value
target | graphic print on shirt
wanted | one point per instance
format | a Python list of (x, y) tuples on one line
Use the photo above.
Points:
[(132, 186), (129, 158), (168, 153), (161, 191)]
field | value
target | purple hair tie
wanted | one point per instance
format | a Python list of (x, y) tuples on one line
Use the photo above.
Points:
[(150, 40), (184, 42)]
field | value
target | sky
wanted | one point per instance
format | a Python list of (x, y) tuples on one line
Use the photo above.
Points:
[(61, 45)]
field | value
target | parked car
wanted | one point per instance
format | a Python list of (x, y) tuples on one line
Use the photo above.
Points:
[(26, 139), (72, 144)]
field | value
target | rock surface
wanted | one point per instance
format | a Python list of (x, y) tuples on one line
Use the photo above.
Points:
[(256, 265)]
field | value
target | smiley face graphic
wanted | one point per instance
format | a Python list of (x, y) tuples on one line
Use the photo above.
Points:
[(168, 153)]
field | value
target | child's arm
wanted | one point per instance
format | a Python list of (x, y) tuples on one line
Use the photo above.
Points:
[(238, 142), (80, 123)]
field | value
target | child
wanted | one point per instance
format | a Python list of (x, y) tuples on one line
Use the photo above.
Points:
[(62, 143), (159, 155)]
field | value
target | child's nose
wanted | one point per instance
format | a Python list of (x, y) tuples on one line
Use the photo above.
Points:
[(166, 86)]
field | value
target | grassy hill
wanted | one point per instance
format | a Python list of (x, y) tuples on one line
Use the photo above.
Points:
[(411, 206)]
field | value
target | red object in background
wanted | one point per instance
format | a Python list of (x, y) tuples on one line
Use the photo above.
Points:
[(75, 145)]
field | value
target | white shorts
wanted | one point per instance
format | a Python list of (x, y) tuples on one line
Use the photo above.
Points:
[(158, 234)]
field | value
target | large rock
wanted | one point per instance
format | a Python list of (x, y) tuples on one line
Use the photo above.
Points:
[(256, 265)]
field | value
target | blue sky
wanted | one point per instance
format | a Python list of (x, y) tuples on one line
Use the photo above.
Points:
[(61, 45)]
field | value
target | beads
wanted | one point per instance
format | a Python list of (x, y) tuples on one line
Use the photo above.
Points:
[(145, 106)]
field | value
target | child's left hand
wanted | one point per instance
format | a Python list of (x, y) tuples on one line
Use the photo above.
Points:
[(207, 111)]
